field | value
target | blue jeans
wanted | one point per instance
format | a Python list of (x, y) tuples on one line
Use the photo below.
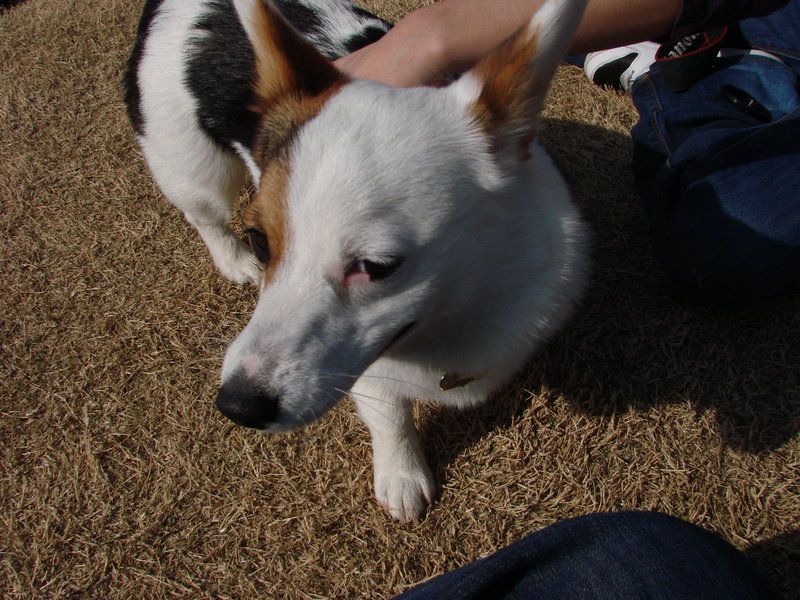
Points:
[(625, 556), (722, 187)]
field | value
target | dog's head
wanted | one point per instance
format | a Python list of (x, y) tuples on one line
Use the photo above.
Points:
[(371, 208)]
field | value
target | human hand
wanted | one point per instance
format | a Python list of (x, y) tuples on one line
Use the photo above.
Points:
[(411, 54), (435, 42)]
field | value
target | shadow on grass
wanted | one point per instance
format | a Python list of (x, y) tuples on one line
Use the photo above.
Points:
[(778, 558), (6, 4), (635, 343)]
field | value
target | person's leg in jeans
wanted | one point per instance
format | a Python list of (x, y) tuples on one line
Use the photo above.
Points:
[(720, 175), (633, 555)]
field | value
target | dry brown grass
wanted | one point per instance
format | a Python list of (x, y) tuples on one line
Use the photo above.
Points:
[(119, 480)]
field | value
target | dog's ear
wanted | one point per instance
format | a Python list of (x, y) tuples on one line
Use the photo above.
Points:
[(507, 89), (288, 67)]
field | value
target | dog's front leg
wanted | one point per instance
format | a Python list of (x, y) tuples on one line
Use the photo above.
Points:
[(404, 484), (204, 189)]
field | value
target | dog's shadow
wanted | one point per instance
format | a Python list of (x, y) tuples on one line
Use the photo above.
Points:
[(778, 558), (635, 343)]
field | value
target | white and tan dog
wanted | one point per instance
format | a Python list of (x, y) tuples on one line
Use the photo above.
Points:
[(409, 243)]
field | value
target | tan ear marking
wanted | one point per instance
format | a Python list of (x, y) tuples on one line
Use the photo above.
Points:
[(515, 77), (286, 62), (511, 94), (292, 80)]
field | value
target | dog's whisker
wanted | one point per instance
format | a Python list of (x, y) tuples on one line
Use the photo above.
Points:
[(385, 378), (330, 395), (363, 395), (335, 376), (398, 380), (345, 375), (380, 401)]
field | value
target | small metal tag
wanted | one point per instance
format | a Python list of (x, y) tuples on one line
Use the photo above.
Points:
[(449, 381)]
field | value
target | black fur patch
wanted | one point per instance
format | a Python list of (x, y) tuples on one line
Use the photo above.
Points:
[(302, 18), (130, 81), (219, 75), (220, 65), (366, 15), (368, 35)]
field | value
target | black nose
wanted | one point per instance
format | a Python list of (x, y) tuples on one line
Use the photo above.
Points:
[(247, 405)]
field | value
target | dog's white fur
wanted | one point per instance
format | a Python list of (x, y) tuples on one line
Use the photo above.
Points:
[(493, 250)]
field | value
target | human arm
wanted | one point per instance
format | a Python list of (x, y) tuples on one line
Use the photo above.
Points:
[(452, 35)]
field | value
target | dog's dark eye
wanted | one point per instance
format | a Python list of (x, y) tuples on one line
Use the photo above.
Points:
[(257, 240), (375, 269)]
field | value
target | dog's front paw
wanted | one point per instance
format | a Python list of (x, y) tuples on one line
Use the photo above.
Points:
[(239, 264), (234, 259), (405, 493)]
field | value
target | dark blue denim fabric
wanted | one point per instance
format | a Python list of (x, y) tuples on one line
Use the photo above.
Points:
[(703, 15), (609, 556), (721, 187), (776, 33)]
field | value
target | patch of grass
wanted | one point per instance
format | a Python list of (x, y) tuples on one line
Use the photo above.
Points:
[(119, 480)]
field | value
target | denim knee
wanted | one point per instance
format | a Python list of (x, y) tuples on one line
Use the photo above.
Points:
[(610, 556)]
